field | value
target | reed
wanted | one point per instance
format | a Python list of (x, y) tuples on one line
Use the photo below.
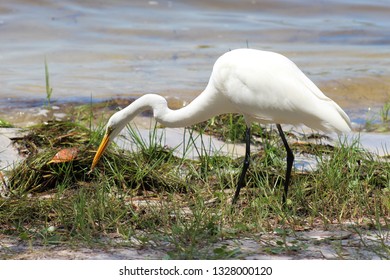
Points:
[(49, 89)]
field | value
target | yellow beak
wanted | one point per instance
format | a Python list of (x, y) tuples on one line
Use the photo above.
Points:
[(100, 151)]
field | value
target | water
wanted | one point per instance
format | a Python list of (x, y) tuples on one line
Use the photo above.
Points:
[(128, 48)]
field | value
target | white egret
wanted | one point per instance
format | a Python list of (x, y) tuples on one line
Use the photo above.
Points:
[(263, 86)]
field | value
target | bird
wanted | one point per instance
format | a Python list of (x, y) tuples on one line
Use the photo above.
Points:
[(264, 86)]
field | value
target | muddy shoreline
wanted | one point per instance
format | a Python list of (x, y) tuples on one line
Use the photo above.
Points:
[(361, 97)]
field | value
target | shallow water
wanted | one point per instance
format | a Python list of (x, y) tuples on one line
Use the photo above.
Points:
[(129, 48)]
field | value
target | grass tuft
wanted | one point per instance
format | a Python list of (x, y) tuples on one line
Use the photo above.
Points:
[(36, 173)]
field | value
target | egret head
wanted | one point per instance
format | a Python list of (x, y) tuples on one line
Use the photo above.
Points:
[(115, 124)]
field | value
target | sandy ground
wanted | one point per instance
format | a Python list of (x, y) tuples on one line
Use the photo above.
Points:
[(349, 243)]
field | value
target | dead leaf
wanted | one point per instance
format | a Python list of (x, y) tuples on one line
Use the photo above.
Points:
[(65, 155)]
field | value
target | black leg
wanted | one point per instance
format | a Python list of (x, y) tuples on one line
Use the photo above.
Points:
[(241, 180), (290, 160)]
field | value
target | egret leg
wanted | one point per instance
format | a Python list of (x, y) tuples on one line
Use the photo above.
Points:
[(290, 160), (241, 180)]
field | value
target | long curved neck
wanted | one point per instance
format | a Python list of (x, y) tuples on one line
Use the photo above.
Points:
[(208, 104), (205, 106)]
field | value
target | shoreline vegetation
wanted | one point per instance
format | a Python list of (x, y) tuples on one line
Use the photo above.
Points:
[(151, 197)]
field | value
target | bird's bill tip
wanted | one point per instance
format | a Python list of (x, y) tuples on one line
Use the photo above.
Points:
[(102, 147)]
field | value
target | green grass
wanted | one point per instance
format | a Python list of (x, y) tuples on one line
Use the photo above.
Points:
[(152, 196), (4, 123), (49, 89), (384, 112), (378, 121)]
